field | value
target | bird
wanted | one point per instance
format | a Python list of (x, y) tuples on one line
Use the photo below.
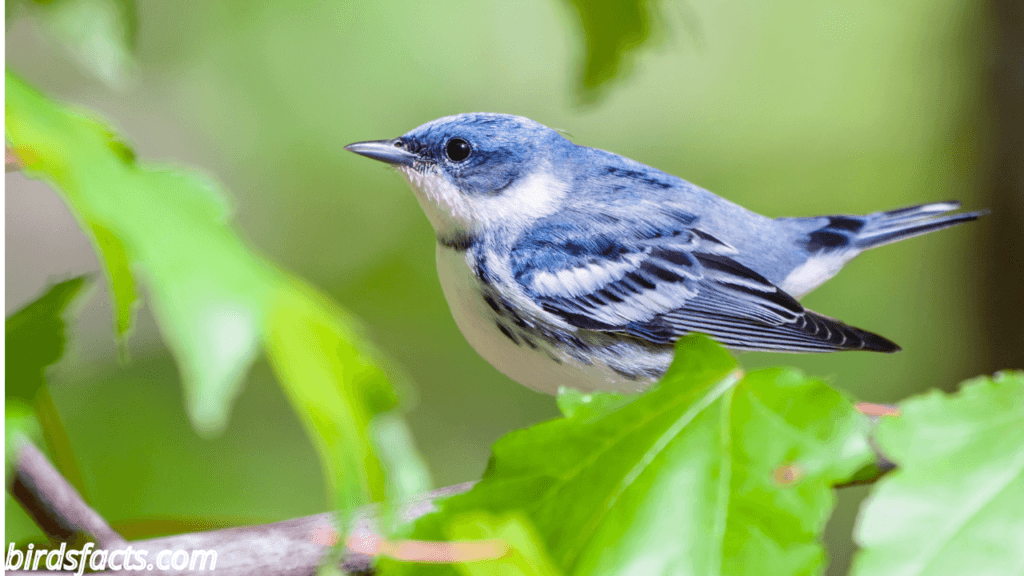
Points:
[(565, 265)]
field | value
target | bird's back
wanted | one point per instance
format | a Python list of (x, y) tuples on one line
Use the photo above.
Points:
[(612, 185)]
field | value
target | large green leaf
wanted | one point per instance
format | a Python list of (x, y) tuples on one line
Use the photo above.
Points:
[(955, 503), (214, 298), (612, 31), (706, 474), (209, 291)]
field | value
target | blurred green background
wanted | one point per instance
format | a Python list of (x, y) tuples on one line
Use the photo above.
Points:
[(790, 109)]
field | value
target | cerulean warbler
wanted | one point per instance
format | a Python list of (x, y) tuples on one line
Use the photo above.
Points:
[(568, 265)]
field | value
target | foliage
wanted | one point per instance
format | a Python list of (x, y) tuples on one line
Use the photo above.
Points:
[(709, 473), (99, 34), (216, 301), (954, 505), (34, 339), (611, 31)]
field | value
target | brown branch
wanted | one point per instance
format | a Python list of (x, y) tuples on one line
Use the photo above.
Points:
[(297, 547), (11, 161), (54, 503), (876, 410), (289, 548)]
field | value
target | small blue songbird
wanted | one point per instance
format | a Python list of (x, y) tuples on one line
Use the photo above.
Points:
[(568, 265)]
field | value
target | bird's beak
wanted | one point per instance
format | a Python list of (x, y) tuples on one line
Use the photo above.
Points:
[(391, 151)]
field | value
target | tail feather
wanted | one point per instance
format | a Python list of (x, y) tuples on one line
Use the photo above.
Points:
[(840, 238), (849, 235), (886, 227), (918, 211)]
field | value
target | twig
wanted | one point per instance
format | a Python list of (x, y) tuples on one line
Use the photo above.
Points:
[(11, 161), (292, 547), (869, 409), (54, 503), (289, 548)]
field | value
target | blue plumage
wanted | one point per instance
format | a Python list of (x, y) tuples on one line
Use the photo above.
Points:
[(565, 264)]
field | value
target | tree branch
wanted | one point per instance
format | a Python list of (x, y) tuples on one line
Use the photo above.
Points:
[(293, 547), (289, 548), (54, 503)]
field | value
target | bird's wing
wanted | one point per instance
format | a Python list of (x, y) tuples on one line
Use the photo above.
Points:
[(660, 279)]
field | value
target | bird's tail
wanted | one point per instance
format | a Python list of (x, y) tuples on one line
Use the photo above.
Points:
[(883, 228)]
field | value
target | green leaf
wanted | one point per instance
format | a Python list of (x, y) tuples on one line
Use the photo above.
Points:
[(702, 475), (209, 292), (335, 388), (524, 554), (955, 503), (611, 32), (407, 470), (587, 406), (118, 275), (214, 299), (57, 443), (34, 339), (100, 34)]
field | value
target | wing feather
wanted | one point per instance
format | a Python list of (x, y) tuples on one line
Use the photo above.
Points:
[(668, 282)]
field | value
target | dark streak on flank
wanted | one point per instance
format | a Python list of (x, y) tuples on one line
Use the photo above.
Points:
[(460, 241), (627, 375), (516, 318), (494, 305), (508, 333)]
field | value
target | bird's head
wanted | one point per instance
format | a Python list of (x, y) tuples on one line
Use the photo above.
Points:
[(479, 173)]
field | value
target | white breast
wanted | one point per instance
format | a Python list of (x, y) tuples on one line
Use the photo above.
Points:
[(532, 367)]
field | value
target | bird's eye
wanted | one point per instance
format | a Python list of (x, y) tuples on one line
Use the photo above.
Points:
[(457, 150)]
